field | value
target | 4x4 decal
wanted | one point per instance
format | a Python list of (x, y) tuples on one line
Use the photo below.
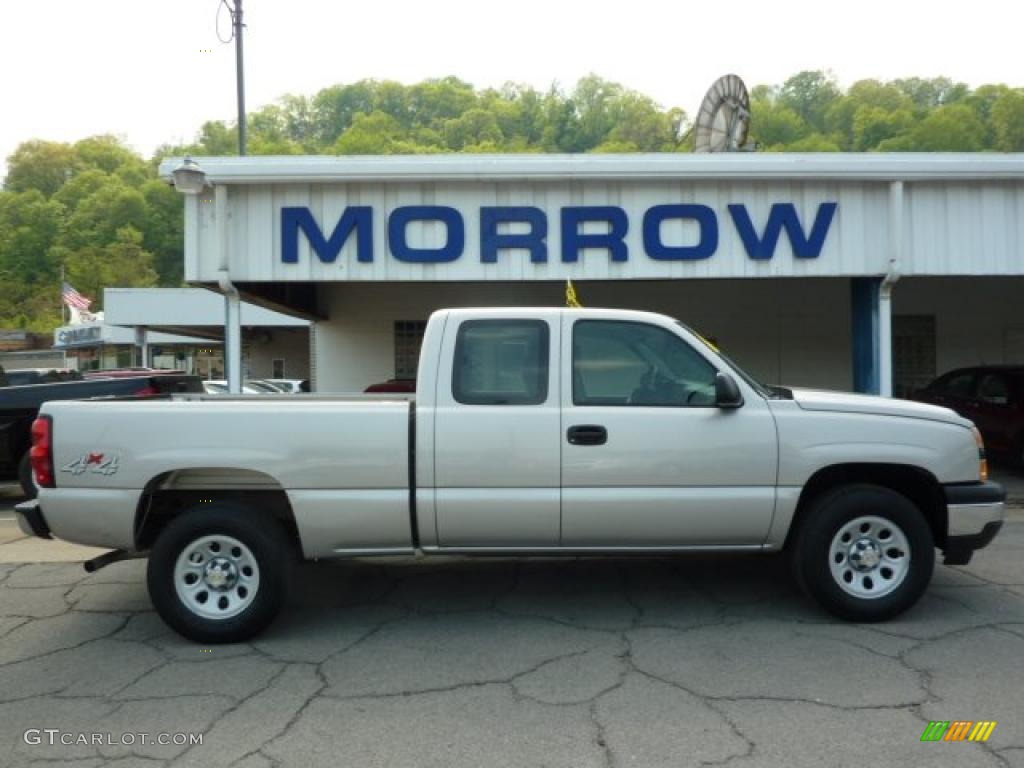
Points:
[(95, 463)]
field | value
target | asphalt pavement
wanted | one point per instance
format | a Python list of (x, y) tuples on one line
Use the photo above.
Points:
[(540, 662)]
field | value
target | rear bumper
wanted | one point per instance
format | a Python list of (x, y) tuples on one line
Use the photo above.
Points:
[(31, 520), (975, 513)]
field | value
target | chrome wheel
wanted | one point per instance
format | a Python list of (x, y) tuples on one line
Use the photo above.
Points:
[(869, 557), (216, 577)]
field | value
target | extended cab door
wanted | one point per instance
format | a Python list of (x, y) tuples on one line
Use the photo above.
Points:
[(648, 459), (496, 442)]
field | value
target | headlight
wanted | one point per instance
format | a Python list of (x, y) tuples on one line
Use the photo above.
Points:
[(982, 461)]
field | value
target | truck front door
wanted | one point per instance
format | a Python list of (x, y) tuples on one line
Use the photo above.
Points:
[(496, 446), (648, 459)]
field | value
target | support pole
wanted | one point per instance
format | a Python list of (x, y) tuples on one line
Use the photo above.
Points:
[(243, 131), (142, 343), (232, 301), (885, 339), (885, 292), (232, 334)]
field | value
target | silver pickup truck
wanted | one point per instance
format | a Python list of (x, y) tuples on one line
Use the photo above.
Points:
[(532, 431)]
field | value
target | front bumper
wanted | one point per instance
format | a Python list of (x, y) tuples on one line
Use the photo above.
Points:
[(974, 513), (30, 519)]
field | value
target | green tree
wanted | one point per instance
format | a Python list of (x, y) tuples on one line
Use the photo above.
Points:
[(374, 134), (1008, 121), (29, 226), (930, 93), (98, 217), (474, 127), (810, 94), (950, 128), (40, 165), (873, 125), (164, 231), (120, 262)]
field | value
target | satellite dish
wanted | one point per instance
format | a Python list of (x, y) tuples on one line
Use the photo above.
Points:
[(723, 120)]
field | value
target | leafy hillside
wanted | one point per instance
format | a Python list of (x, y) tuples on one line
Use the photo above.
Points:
[(97, 208)]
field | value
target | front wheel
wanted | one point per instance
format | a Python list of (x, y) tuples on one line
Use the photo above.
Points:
[(219, 573), (864, 553)]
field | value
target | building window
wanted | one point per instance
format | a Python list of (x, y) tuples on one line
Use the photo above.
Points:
[(408, 339), (501, 362), (913, 353), (278, 366)]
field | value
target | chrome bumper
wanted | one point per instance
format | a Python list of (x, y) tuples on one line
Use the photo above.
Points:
[(974, 514), (971, 519), (972, 506)]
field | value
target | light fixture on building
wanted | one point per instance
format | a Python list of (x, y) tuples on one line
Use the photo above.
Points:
[(189, 177)]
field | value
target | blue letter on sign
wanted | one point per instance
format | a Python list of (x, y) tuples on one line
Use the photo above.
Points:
[(783, 216), (401, 217), (573, 241), (705, 218), (533, 241), (358, 218)]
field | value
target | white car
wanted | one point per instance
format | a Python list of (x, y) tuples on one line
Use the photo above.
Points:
[(291, 386), (249, 387)]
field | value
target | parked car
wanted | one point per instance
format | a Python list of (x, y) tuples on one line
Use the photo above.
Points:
[(20, 404), (249, 387), (20, 377), (291, 386), (532, 431), (393, 385), (127, 373), (991, 396)]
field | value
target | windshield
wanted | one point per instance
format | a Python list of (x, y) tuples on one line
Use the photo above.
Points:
[(760, 388)]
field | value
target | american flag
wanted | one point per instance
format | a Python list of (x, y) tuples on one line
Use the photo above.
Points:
[(74, 299)]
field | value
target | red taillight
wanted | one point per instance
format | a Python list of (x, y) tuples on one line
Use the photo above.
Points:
[(149, 389), (41, 453)]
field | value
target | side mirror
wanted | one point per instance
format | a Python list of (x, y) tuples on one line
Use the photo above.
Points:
[(727, 392)]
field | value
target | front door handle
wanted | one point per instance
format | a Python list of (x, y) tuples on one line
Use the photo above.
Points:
[(587, 434)]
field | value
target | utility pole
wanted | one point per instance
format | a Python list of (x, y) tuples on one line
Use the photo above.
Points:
[(243, 132)]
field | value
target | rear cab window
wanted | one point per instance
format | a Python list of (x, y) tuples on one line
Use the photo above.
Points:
[(501, 362)]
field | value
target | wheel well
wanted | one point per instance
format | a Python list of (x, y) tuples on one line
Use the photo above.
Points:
[(918, 485), (172, 493)]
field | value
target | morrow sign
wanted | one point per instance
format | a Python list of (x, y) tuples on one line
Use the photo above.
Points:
[(532, 228)]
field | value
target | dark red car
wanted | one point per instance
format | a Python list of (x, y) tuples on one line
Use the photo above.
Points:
[(991, 396), (393, 385)]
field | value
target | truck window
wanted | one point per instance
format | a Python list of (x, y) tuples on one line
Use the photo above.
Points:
[(501, 362), (628, 363)]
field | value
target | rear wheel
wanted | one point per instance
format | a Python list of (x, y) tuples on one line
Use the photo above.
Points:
[(25, 477), (219, 573), (864, 553)]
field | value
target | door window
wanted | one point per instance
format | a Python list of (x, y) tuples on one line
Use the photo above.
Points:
[(956, 384), (992, 389), (628, 363), (501, 362)]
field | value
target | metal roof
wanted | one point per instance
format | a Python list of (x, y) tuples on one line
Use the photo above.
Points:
[(740, 165)]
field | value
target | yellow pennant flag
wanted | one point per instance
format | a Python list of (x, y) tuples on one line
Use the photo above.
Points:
[(570, 295)]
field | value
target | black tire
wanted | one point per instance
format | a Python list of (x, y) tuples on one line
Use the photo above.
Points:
[(813, 552), (267, 541), (25, 478)]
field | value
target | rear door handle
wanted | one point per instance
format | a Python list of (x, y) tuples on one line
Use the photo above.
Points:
[(587, 434)]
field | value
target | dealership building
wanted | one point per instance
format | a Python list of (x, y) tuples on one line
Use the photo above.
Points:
[(872, 272)]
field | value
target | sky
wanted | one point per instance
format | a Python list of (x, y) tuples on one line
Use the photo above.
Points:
[(152, 71)]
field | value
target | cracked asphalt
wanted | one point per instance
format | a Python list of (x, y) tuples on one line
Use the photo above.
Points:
[(541, 662)]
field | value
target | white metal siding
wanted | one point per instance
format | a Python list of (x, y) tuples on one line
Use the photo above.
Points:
[(952, 227)]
